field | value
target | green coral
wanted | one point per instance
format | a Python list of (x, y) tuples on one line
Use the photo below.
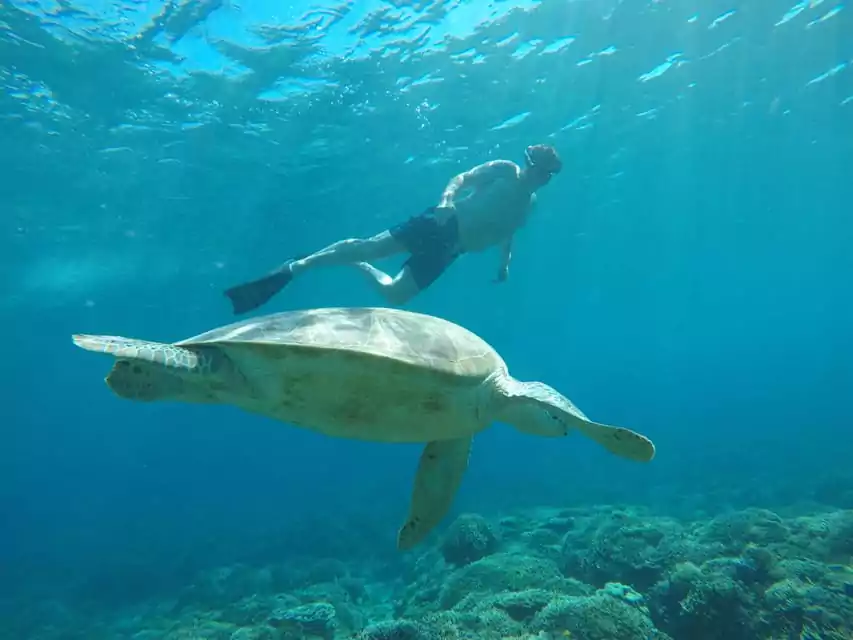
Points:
[(704, 602), (399, 630), (799, 608), (622, 545), (468, 539), (498, 573), (606, 615), (315, 619), (741, 576), (737, 529), (255, 633)]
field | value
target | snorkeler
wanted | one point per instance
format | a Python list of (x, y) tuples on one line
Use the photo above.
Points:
[(502, 196)]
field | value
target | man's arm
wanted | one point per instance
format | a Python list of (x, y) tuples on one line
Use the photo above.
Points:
[(506, 257), (478, 177)]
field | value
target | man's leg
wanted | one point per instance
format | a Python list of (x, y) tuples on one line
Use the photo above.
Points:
[(433, 246), (251, 295), (397, 290), (349, 251), (419, 272)]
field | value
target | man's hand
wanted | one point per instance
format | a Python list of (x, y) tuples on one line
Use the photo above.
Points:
[(445, 210), (503, 274)]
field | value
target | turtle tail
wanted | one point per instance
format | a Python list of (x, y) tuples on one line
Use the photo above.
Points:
[(144, 370)]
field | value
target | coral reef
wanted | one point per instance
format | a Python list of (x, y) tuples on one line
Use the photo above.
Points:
[(469, 538), (599, 573)]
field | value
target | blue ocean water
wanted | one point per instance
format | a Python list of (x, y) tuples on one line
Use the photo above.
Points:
[(687, 275)]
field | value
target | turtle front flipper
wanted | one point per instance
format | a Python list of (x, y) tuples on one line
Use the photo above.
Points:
[(619, 441), (440, 471), (536, 408), (148, 371)]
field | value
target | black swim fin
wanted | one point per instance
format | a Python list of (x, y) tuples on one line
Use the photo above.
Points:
[(251, 295)]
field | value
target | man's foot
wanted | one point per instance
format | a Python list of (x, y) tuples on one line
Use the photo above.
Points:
[(381, 277), (251, 295), (397, 290)]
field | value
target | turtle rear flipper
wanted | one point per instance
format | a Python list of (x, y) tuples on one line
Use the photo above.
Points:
[(168, 355), (147, 370)]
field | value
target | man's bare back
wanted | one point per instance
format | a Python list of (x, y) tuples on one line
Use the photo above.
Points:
[(480, 208), (494, 208)]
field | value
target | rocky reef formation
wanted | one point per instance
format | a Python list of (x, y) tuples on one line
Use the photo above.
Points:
[(604, 573)]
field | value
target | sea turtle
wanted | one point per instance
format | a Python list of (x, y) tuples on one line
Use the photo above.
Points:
[(366, 373)]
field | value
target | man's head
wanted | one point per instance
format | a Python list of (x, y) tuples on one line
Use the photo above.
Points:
[(541, 162)]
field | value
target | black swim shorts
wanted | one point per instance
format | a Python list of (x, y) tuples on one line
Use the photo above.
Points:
[(432, 243)]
